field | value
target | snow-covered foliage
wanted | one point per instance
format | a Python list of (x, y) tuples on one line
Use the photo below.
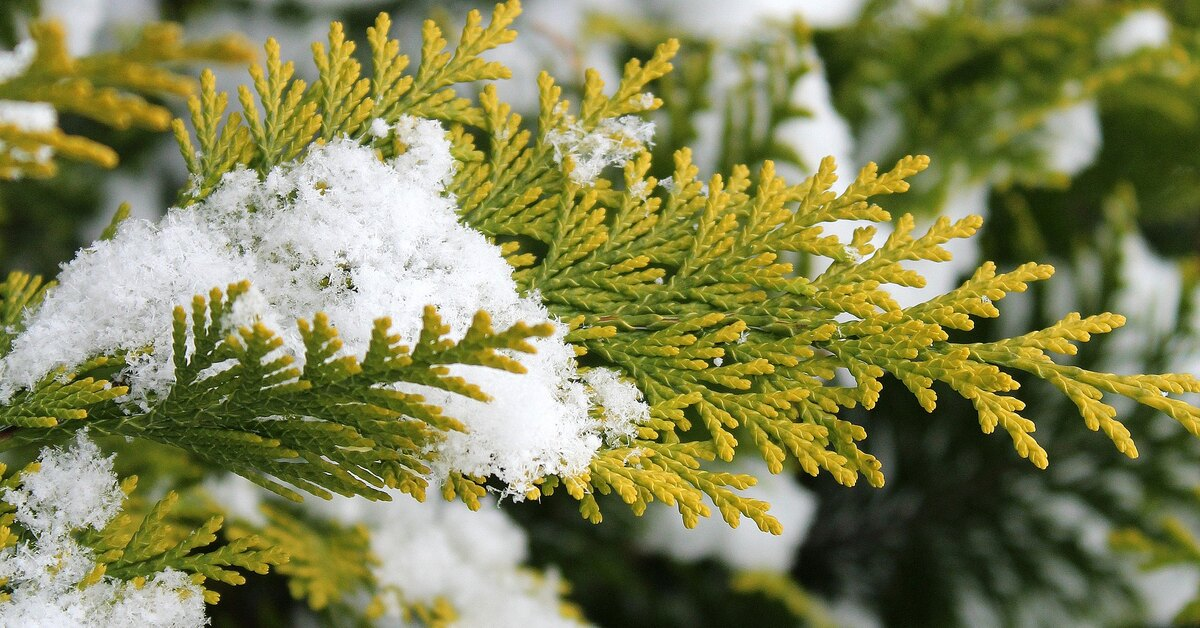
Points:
[(344, 233), (612, 143), (74, 490), (741, 548), (443, 550)]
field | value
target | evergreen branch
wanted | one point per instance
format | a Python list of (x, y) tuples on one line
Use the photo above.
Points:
[(109, 87)]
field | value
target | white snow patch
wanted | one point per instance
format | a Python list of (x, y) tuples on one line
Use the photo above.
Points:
[(622, 403), (28, 116), (74, 490), (82, 20), (1144, 28), (14, 62), (34, 117), (714, 19), (1069, 137)]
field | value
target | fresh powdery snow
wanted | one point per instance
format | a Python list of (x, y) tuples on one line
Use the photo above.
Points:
[(74, 490), (613, 142), (345, 233)]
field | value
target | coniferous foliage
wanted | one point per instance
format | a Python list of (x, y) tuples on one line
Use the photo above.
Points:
[(649, 325)]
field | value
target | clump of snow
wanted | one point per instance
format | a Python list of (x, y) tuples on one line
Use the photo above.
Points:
[(1069, 137), (344, 233), (74, 490), (380, 128), (436, 549), (744, 547), (14, 62), (613, 142), (622, 403), (1143, 28)]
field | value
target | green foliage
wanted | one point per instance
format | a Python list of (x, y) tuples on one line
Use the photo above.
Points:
[(686, 287), (681, 290), (342, 102), (326, 562), (110, 88)]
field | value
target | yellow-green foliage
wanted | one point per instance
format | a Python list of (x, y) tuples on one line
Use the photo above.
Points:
[(684, 288), (325, 562), (109, 87)]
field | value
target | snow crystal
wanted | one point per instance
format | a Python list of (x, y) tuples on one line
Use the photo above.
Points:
[(744, 547), (1144, 28), (14, 62), (612, 143), (442, 549), (73, 490), (1069, 137), (344, 233), (622, 403)]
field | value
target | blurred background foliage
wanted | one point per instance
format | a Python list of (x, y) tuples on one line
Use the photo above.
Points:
[(1077, 141)]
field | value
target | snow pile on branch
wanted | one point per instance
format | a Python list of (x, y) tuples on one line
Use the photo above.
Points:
[(72, 491), (744, 547), (612, 143), (443, 550), (344, 233), (1144, 28)]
